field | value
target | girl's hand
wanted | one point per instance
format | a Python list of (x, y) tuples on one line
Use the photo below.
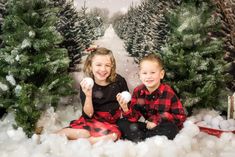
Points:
[(150, 125), (122, 102), (86, 88)]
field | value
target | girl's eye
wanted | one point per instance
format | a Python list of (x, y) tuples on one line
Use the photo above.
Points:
[(108, 66)]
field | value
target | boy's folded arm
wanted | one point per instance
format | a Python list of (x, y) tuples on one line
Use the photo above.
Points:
[(166, 116), (177, 111), (179, 117), (132, 115), (173, 117), (155, 119)]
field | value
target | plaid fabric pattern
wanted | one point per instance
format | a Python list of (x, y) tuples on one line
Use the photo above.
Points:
[(160, 105)]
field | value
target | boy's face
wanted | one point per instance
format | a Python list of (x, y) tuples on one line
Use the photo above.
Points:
[(151, 74)]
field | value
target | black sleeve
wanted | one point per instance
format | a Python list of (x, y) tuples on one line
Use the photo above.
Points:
[(123, 83)]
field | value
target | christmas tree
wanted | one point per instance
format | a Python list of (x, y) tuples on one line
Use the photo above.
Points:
[(144, 28), (33, 72), (100, 20), (2, 13), (226, 12), (86, 29), (193, 59), (68, 17), (79, 28)]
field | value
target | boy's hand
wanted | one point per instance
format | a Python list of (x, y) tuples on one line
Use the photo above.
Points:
[(122, 102), (150, 125), (86, 88)]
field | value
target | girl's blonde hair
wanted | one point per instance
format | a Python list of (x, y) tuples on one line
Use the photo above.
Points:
[(100, 51)]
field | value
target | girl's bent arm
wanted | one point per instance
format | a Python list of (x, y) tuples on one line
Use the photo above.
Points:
[(88, 106)]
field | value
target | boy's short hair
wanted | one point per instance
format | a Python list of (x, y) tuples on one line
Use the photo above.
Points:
[(154, 58)]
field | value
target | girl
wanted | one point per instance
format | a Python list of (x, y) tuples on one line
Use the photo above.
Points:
[(100, 107)]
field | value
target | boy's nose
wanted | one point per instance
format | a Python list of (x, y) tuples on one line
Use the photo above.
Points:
[(149, 75)]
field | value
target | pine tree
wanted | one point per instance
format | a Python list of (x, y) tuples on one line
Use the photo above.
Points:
[(193, 60), (2, 13), (99, 19), (86, 31), (68, 17), (140, 45), (33, 69), (116, 21), (144, 28), (226, 12), (129, 32)]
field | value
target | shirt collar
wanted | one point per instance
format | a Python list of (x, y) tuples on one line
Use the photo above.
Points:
[(159, 90)]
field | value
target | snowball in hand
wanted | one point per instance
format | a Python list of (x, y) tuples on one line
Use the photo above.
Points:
[(126, 96), (89, 82)]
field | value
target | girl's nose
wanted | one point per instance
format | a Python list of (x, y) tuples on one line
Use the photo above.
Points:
[(103, 68)]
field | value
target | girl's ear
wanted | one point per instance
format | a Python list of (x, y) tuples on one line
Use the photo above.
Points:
[(162, 73)]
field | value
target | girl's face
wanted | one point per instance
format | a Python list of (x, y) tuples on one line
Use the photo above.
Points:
[(151, 74), (101, 68)]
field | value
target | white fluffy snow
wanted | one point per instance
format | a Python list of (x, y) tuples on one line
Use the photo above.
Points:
[(190, 142)]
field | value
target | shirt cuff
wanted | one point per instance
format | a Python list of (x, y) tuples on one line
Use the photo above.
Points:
[(155, 119), (126, 113)]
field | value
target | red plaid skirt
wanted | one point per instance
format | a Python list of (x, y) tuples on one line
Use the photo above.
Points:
[(96, 128)]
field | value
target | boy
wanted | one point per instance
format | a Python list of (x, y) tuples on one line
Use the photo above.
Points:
[(155, 101)]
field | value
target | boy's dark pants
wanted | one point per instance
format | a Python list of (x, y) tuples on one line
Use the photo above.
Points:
[(137, 132)]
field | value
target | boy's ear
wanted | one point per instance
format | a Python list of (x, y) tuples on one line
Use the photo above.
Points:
[(162, 73)]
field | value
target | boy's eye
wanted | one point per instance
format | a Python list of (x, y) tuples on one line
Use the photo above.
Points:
[(153, 72)]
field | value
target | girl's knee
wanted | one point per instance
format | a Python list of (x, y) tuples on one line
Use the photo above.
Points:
[(114, 136), (62, 131), (73, 134), (83, 133)]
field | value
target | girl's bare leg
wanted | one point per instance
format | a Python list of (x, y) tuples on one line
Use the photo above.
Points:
[(112, 136), (73, 134)]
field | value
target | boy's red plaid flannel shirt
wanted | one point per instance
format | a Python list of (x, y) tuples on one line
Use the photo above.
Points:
[(160, 105)]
